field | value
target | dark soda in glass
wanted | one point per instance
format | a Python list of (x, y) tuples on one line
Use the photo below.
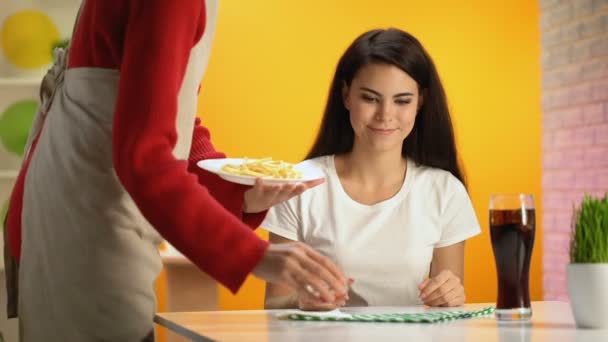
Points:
[(512, 232)]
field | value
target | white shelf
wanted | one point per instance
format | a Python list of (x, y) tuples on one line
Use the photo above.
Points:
[(8, 174), (21, 81)]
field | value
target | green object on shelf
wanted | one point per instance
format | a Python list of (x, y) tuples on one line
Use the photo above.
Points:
[(63, 43), (15, 125)]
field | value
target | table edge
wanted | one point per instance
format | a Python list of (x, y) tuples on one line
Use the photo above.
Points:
[(184, 332)]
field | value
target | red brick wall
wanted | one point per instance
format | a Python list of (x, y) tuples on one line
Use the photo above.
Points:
[(574, 35)]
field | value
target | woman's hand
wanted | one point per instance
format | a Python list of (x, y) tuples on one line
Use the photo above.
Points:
[(263, 196), (445, 289)]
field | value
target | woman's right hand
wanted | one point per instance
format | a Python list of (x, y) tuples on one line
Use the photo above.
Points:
[(301, 268)]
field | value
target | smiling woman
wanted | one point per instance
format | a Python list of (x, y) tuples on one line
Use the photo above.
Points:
[(395, 193), (383, 116)]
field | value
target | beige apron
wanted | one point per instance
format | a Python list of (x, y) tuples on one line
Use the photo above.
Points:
[(89, 258), (47, 89)]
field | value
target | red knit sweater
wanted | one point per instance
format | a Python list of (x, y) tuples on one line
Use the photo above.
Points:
[(149, 41)]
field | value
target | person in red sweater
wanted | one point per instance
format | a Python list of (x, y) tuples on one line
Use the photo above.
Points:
[(110, 170)]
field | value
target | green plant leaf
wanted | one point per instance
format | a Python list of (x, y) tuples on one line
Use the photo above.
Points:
[(589, 239)]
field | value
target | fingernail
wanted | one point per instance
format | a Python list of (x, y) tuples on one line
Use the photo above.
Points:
[(312, 291)]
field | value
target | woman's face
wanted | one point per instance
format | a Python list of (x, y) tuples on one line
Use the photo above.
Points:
[(383, 102)]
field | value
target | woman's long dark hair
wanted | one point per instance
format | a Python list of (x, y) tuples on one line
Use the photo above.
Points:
[(431, 141)]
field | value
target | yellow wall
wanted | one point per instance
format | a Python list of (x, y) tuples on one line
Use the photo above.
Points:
[(272, 62)]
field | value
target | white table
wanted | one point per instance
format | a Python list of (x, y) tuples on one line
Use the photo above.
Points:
[(552, 321)]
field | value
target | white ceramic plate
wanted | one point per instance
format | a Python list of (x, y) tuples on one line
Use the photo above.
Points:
[(308, 169)]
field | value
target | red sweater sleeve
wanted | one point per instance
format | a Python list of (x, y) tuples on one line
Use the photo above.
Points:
[(159, 37), (229, 194)]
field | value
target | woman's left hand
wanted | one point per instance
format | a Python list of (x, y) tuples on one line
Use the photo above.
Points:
[(445, 289), (263, 196)]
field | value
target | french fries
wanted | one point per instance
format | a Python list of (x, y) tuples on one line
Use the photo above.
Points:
[(263, 168)]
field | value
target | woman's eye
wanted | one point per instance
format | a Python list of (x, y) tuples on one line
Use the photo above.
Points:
[(368, 98), (402, 102)]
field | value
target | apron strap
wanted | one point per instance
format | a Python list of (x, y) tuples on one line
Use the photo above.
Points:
[(74, 30), (51, 80)]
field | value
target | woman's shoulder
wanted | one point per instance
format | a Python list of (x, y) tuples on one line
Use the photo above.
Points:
[(322, 161), (326, 165), (437, 179)]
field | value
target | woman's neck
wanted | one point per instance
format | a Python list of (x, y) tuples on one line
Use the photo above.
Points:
[(372, 169)]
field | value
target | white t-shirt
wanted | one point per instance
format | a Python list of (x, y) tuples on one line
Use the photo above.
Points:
[(386, 247)]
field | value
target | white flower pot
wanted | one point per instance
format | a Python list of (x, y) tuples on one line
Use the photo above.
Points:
[(588, 295)]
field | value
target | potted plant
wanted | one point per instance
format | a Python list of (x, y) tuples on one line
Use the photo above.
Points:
[(587, 273)]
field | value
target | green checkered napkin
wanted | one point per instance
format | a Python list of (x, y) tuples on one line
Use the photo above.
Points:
[(426, 317)]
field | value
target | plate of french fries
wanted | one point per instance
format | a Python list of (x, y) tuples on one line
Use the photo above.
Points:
[(247, 170)]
